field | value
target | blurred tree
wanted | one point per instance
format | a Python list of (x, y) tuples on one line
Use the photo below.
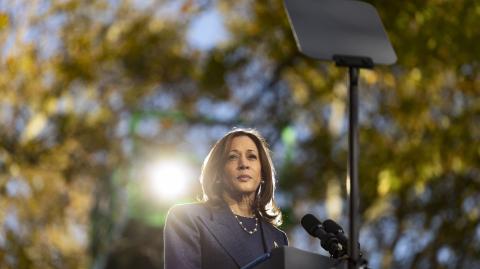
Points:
[(72, 74), (90, 89)]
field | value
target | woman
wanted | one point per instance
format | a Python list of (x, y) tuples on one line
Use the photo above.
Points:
[(235, 222)]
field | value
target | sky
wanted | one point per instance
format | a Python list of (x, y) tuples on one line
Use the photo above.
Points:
[(207, 30)]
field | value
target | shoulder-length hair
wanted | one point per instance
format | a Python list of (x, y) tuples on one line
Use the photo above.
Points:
[(212, 175)]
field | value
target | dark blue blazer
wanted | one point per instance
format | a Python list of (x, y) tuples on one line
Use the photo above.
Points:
[(201, 236)]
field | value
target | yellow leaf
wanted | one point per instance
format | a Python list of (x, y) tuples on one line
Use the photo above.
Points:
[(387, 181), (4, 22), (51, 105), (334, 199), (34, 127), (369, 76)]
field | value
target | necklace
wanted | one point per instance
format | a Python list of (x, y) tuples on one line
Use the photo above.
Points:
[(245, 228)]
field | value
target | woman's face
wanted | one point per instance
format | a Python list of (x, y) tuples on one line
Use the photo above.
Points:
[(242, 168)]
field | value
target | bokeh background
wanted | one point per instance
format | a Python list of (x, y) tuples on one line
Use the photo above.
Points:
[(108, 107)]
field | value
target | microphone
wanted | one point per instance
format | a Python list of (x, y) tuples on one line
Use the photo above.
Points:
[(328, 241), (334, 228)]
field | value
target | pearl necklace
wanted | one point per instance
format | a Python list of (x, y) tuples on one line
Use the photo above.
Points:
[(244, 228)]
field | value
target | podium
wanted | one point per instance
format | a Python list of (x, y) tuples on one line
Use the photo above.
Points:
[(294, 258)]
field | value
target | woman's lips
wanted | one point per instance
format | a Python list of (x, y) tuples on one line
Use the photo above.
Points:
[(244, 177)]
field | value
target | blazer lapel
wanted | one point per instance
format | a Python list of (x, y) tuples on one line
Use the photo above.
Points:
[(269, 237), (223, 227)]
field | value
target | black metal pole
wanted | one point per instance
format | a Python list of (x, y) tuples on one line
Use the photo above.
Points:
[(353, 153)]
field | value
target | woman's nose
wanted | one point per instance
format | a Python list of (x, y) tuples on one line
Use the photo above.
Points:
[(242, 163)]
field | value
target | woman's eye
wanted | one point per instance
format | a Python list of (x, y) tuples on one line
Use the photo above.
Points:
[(252, 157), (232, 157)]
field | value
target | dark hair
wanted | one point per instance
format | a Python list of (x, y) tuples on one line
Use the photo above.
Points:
[(213, 167)]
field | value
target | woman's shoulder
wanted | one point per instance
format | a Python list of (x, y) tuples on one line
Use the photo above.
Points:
[(278, 233), (276, 229), (188, 209)]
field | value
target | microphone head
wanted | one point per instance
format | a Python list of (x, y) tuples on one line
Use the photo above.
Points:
[(332, 227), (328, 240), (310, 224)]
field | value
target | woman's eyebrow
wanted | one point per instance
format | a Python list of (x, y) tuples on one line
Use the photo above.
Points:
[(248, 150)]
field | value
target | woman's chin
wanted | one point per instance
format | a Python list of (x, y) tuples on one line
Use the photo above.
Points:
[(244, 190)]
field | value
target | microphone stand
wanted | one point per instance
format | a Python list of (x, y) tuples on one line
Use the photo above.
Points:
[(354, 64), (352, 34)]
